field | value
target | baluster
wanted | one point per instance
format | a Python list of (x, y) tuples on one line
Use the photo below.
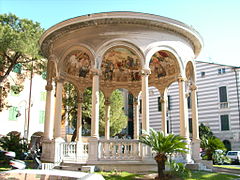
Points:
[(120, 150)]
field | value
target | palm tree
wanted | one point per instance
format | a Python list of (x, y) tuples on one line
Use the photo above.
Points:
[(163, 145), (210, 145)]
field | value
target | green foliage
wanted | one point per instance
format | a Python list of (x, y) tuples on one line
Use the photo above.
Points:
[(210, 145), (17, 88), (118, 119), (19, 46), (219, 157), (204, 131), (19, 35), (114, 175), (13, 142), (166, 144), (163, 145), (179, 170)]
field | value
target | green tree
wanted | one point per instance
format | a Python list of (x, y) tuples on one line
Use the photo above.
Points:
[(19, 49), (118, 120), (204, 131), (210, 145), (163, 145)]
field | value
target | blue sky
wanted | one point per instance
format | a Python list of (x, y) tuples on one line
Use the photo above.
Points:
[(218, 21)]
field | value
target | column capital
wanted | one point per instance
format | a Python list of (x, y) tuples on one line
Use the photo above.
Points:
[(193, 87), (135, 101), (49, 87), (181, 79), (146, 72), (96, 72), (80, 99), (59, 80), (107, 102), (163, 100)]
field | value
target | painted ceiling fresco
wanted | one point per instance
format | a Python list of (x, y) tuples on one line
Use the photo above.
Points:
[(189, 71), (162, 64), (78, 63), (121, 64)]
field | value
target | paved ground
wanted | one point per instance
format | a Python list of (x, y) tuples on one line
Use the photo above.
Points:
[(48, 175)]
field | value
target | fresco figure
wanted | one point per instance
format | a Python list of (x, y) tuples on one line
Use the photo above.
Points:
[(120, 64), (78, 64)]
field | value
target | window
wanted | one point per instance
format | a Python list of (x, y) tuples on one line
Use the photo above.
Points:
[(159, 104), (17, 68), (41, 117), (169, 102), (202, 74), (221, 71), (44, 75), (140, 108), (42, 96), (223, 97), (189, 104), (13, 113), (190, 125), (224, 122)]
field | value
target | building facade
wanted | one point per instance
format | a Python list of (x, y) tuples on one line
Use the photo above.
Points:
[(25, 112), (218, 95)]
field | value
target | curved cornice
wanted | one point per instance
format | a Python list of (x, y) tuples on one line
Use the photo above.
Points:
[(143, 19)]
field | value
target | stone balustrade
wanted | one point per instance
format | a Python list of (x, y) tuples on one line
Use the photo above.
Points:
[(120, 149)]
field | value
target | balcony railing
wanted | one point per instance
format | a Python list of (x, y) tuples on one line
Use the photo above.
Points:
[(224, 105)]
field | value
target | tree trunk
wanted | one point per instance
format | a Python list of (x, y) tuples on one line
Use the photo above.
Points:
[(161, 164)]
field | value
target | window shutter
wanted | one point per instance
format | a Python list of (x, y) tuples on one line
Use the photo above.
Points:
[(189, 104), (12, 114), (169, 103), (224, 123), (140, 109), (190, 124), (223, 94), (159, 104), (41, 117)]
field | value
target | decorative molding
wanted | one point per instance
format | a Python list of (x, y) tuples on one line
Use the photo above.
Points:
[(96, 72), (49, 87), (146, 72), (190, 34)]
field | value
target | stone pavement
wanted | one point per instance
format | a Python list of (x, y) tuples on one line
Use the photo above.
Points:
[(48, 175)]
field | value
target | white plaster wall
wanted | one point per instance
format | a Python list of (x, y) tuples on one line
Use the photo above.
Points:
[(21, 101)]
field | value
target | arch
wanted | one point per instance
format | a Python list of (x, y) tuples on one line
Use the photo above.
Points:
[(153, 48), (228, 145), (190, 71), (119, 43)]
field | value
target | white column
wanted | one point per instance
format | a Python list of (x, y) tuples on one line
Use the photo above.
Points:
[(136, 118), (196, 140), (48, 123), (79, 118), (58, 109), (164, 113), (145, 100), (95, 104), (107, 118), (183, 113)]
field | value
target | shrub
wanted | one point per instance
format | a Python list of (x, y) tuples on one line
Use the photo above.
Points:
[(179, 170), (13, 142), (220, 158)]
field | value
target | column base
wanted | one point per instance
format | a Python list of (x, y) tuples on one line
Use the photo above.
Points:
[(93, 149), (196, 149), (187, 158)]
